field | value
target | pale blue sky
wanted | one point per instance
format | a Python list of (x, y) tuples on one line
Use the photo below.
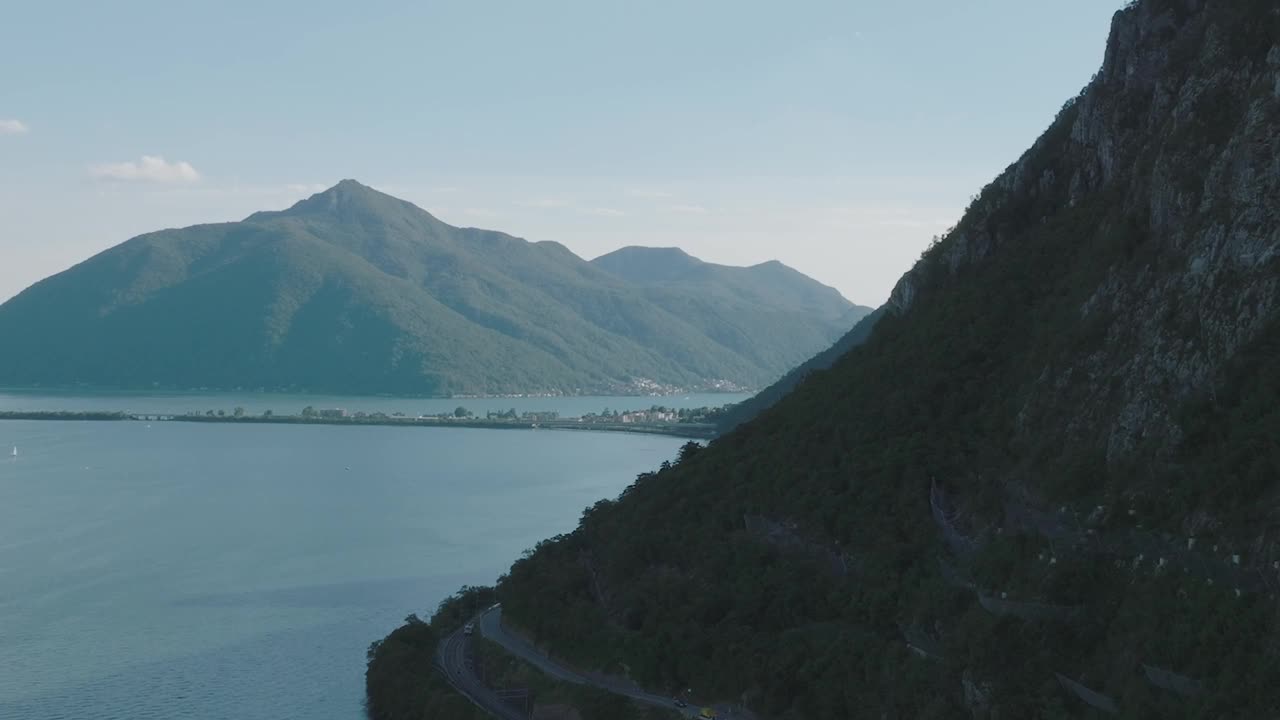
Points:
[(838, 137)]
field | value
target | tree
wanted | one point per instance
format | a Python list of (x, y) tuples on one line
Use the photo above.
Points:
[(308, 412), (267, 413), (461, 412), (222, 413), (688, 450), (238, 412)]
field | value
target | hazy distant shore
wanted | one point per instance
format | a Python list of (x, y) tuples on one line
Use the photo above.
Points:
[(666, 392), (685, 430)]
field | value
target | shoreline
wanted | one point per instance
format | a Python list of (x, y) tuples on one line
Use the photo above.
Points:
[(696, 431), (75, 390)]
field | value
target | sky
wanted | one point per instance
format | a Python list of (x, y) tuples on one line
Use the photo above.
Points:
[(838, 137)]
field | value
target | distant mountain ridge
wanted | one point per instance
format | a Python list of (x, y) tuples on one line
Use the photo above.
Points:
[(353, 290), (768, 282), (648, 264)]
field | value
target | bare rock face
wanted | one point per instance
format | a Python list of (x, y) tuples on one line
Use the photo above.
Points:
[(1174, 148)]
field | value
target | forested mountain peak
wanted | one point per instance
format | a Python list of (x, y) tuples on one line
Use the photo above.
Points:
[(648, 263), (353, 290)]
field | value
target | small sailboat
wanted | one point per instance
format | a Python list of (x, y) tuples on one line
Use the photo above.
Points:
[(15, 452)]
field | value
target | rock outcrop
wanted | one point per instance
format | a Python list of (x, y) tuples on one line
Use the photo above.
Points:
[(1174, 149)]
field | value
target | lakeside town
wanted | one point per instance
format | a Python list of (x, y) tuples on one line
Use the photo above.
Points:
[(656, 414), (683, 422)]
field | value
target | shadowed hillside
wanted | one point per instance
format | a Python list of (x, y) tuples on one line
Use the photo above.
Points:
[(1044, 486)]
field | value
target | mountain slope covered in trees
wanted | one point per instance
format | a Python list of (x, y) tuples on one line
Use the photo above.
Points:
[(1045, 486), (353, 290), (768, 397), (769, 283)]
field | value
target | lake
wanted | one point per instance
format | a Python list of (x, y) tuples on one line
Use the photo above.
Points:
[(223, 571)]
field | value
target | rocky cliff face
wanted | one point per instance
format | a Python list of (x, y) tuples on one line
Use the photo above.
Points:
[(1175, 147)]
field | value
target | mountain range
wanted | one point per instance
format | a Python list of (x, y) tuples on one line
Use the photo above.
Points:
[(355, 291), (1041, 483)]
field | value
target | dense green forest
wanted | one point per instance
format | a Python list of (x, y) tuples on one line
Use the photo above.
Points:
[(766, 398), (402, 684), (1042, 487), (355, 291)]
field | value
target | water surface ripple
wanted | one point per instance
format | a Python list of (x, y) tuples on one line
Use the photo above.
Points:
[(221, 571)]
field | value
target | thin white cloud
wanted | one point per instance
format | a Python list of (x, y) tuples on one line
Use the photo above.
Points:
[(685, 209), (406, 191), (480, 212), (604, 212), (13, 127), (648, 193), (151, 168), (545, 203), (912, 223), (305, 187)]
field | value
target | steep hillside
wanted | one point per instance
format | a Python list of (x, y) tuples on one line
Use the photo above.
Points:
[(768, 397), (352, 290), (1044, 487)]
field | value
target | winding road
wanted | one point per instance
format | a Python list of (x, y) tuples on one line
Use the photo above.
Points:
[(490, 626), (452, 657)]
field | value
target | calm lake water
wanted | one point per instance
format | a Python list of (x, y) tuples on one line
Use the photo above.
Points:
[(221, 571)]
